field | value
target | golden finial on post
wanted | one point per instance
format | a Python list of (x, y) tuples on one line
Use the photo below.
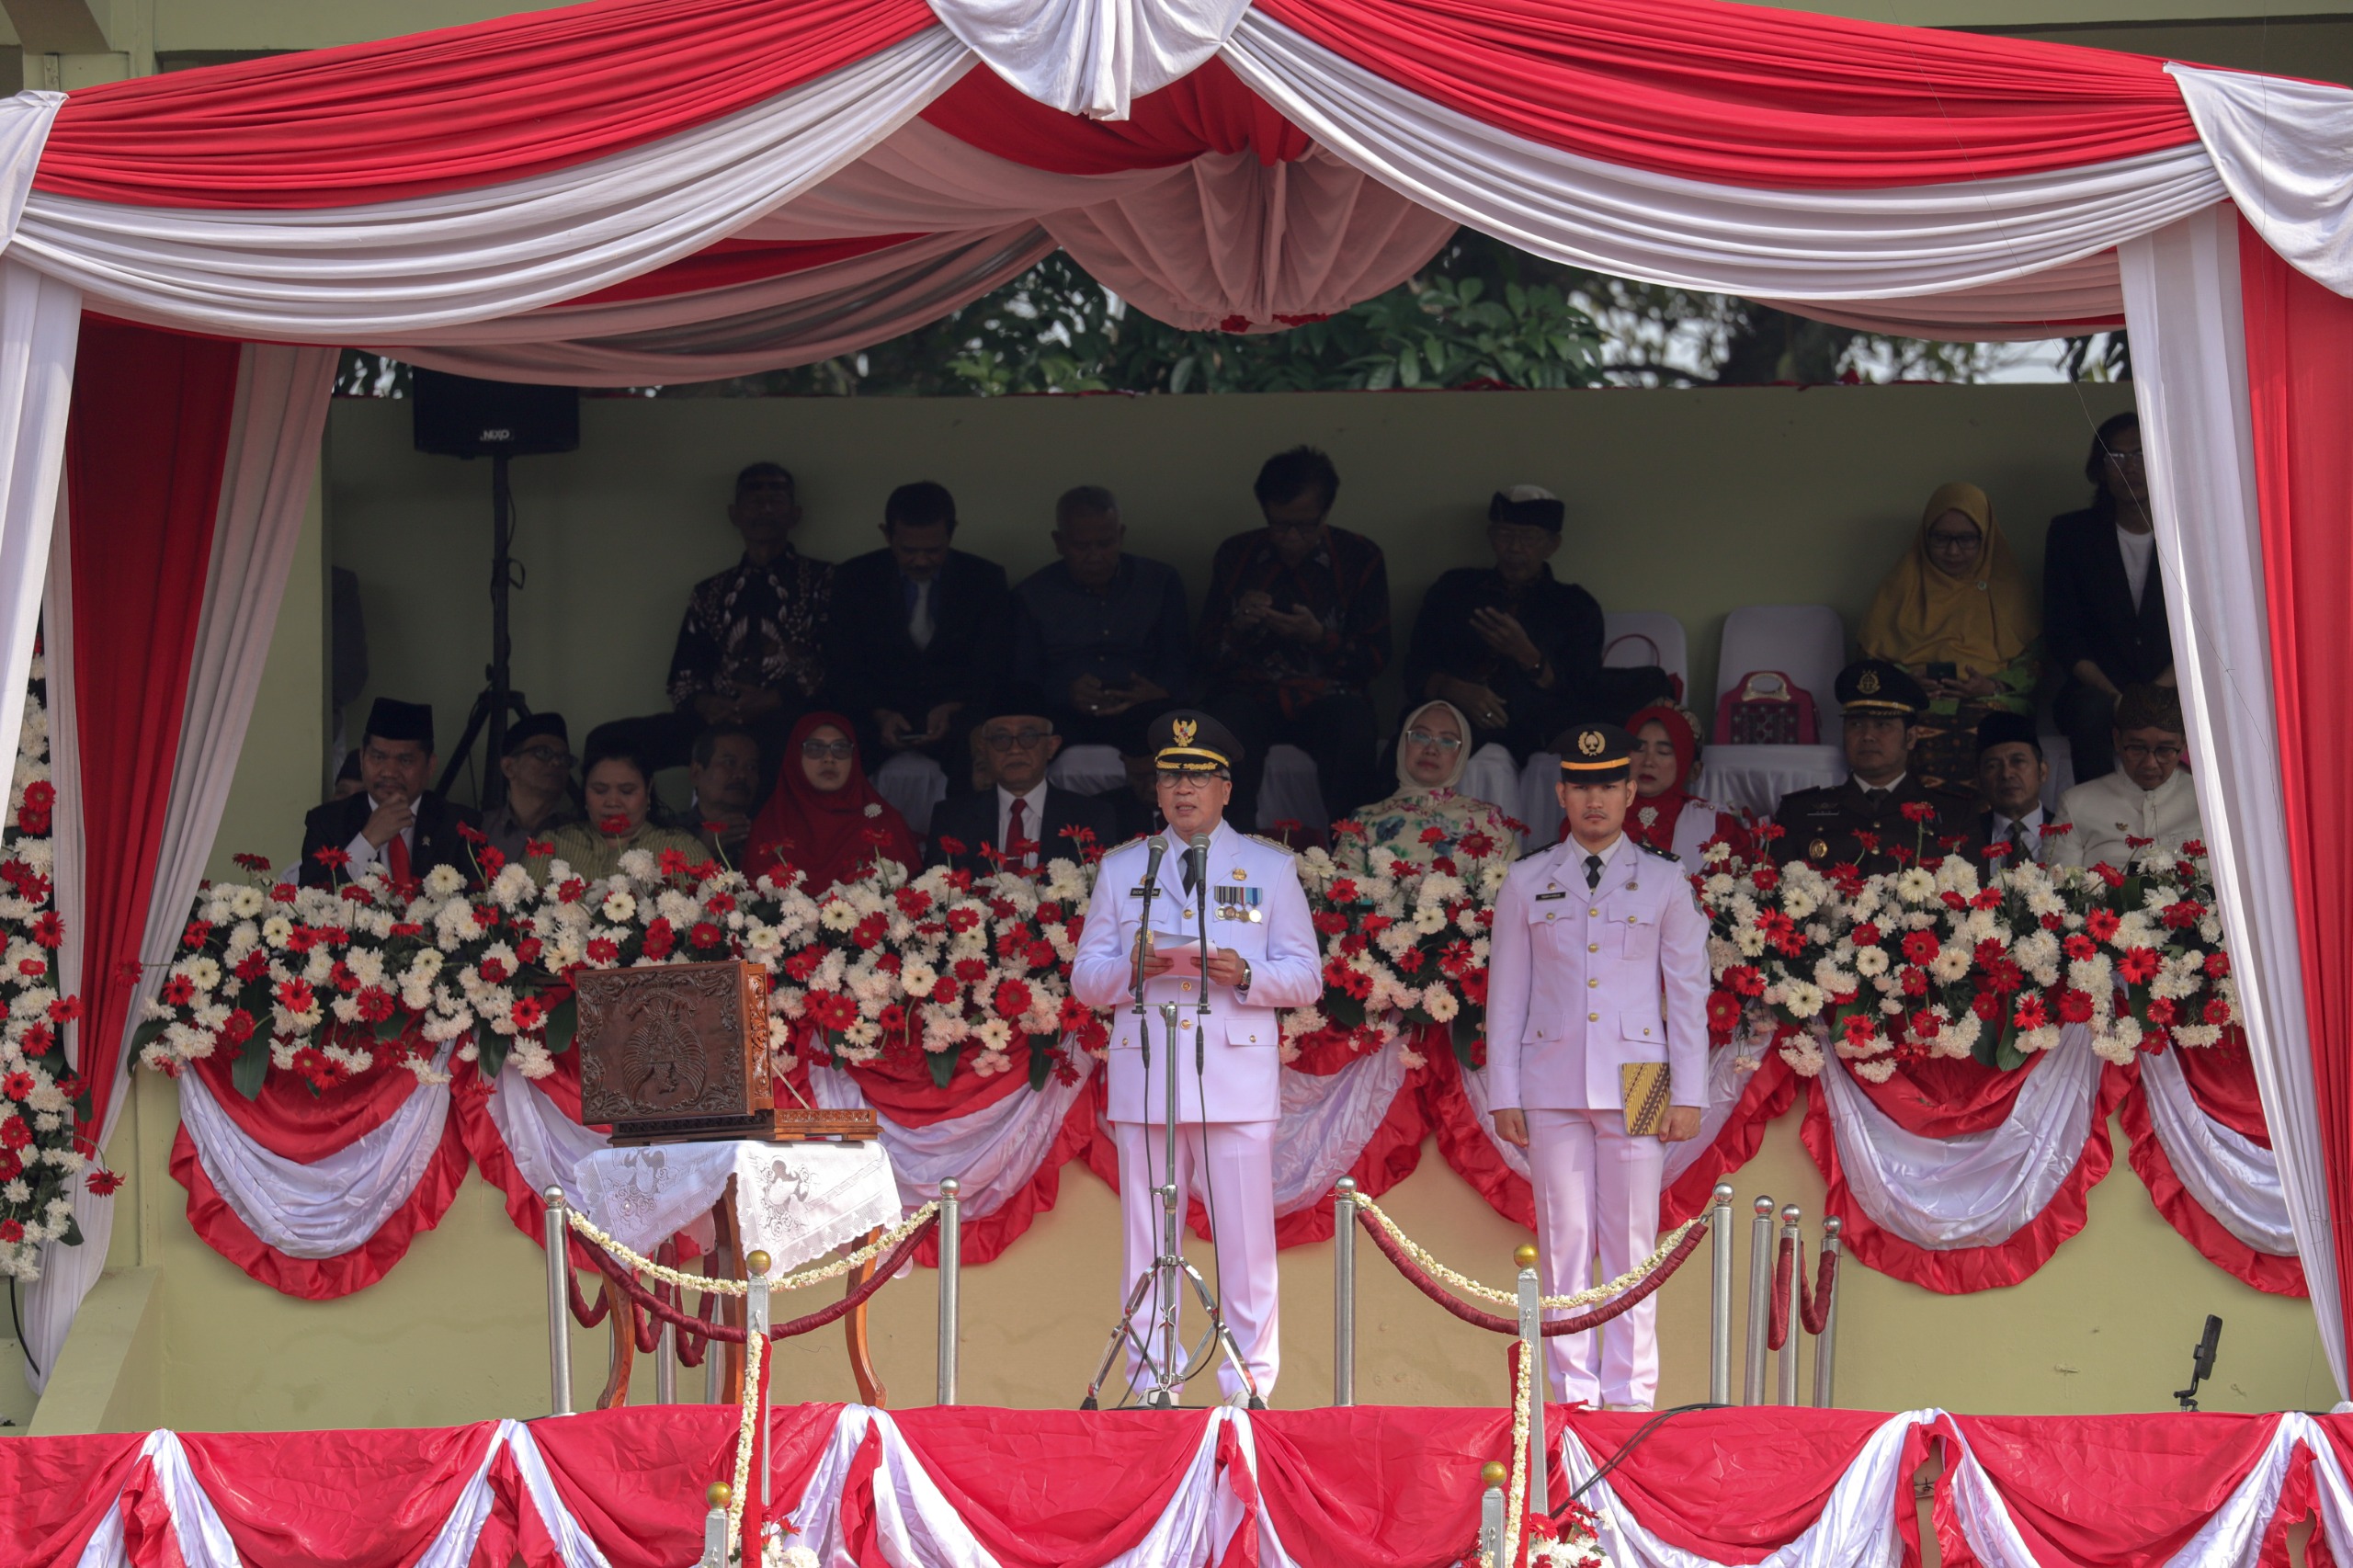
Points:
[(1494, 1473), (718, 1495), (1523, 1255), (757, 1264)]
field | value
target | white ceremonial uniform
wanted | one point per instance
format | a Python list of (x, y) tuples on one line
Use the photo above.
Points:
[(1226, 1115), (1582, 982), (2109, 810)]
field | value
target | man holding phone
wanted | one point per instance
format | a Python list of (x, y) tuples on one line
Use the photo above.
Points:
[(1263, 957), (1598, 1052)]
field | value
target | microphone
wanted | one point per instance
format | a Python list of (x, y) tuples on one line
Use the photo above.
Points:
[(1158, 846), (1200, 851)]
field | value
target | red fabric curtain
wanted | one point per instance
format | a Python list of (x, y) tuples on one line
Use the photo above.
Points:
[(1743, 95), (145, 446), (2300, 385), (455, 108)]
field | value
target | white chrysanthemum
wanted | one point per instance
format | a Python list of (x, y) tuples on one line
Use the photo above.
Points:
[(639, 865), (2042, 1039), (513, 886), (2119, 1042), (1441, 1003), (444, 881), (1803, 1055)]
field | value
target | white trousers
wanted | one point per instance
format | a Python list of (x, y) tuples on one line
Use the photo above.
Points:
[(1597, 1193), (1230, 1166)]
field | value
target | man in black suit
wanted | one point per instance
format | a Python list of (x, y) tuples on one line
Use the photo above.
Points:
[(395, 820), (2104, 621), (920, 635), (1025, 819), (2010, 776), (1882, 816)]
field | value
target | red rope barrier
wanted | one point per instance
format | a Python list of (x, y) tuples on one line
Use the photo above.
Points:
[(1777, 1335), (581, 1313), (623, 1280), (1817, 1316), (1593, 1317)]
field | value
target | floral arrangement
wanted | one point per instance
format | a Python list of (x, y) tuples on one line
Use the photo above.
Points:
[(1405, 928), (1934, 959), (39, 1151), (1565, 1540)]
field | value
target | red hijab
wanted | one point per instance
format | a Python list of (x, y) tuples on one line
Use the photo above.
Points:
[(828, 834), (1666, 806)]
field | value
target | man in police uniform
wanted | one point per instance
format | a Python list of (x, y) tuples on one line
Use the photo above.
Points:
[(1862, 822), (1263, 957), (1598, 983)]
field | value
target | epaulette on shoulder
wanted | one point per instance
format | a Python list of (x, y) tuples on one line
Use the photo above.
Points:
[(1272, 844), (1531, 854), (1138, 838), (1661, 853)]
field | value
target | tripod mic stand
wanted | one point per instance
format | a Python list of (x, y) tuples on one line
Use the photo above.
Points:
[(1162, 1365)]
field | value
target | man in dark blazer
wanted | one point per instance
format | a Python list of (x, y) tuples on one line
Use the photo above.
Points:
[(1024, 818), (2011, 773), (395, 820), (1883, 815), (920, 636), (2104, 623)]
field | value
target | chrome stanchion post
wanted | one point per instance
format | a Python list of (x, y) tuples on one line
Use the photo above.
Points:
[(714, 1526), (665, 1366), (1785, 1381), (1825, 1346), (556, 1233), (951, 1263), (1344, 1292), (1760, 1303), (1719, 1296), (1531, 1341), (755, 1322), (1491, 1514)]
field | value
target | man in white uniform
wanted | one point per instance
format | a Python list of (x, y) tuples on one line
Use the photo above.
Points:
[(1598, 978), (2148, 798), (1263, 957)]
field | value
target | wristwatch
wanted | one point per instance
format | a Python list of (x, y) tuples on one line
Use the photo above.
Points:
[(1245, 987)]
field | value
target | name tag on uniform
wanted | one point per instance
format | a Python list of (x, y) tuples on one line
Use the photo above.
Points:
[(1237, 903), (1543, 896), (1135, 892)]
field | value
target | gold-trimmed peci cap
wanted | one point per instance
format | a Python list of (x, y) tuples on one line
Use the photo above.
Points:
[(1596, 753), (1185, 740), (1875, 685)]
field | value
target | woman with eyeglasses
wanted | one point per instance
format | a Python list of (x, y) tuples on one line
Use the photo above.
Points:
[(1432, 749), (825, 820), (1666, 816), (619, 792), (2104, 596)]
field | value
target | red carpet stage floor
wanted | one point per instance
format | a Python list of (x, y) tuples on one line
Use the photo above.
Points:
[(1370, 1487)]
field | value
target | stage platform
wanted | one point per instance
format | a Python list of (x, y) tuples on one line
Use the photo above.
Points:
[(1368, 1487)]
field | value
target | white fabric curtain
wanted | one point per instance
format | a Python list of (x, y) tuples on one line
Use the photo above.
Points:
[(1091, 57), (274, 438), (2232, 1176), (2279, 147), (2181, 291), (993, 1154)]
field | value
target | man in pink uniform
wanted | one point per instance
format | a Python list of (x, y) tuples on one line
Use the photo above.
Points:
[(1598, 979)]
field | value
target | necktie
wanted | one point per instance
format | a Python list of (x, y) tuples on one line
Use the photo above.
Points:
[(1187, 866), (1016, 830), (396, 856), (1592, 872), (919, 618), (2020, 854)]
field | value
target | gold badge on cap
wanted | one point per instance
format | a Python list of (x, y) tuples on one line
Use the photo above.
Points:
[(1590, 743), (1184, 730), (1867, 683)]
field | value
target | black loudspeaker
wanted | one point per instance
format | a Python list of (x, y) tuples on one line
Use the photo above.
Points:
[(459, 416)]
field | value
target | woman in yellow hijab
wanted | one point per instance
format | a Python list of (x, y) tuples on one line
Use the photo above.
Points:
[(1956, 612)]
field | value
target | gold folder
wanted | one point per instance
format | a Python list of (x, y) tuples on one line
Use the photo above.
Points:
[(1644, 1086)]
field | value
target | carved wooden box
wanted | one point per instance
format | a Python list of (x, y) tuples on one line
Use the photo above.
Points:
[(680, 1052)]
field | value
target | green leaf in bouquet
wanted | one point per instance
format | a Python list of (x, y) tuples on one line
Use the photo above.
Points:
[(1042, 1057), (491, 1051), (943, 1065), (563, 1024), (2003, 1056), (73, 1236), (1464, 1033), (146, 1034), (1343, 1008), (394, 1025), (252, 1065)]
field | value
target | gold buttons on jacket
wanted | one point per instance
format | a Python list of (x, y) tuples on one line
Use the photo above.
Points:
[(1550, 913), (1592, 947), (1593, 1017), (1594, 912), (1593, 984)]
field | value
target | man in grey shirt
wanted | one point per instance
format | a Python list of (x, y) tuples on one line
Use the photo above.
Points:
[(1104, 633)]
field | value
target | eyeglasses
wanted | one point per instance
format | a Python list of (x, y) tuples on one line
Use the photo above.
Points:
[(1424, 738), (840, 751), (2137, 753), (1187, 783), (2128, 459), (1010, 740), (548, 755)]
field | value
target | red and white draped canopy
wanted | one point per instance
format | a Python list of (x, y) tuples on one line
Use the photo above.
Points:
[(636, 191)]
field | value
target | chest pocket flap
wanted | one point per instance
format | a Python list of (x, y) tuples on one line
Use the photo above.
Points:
[(1644, 1026), (1254, 1032)]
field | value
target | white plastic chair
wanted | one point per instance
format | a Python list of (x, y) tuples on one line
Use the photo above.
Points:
[(913, 784), (2059, 753), (1539, 805), (1633, 638), (1088, 770), (1491, 776), (1290, 790), (1808, 644)]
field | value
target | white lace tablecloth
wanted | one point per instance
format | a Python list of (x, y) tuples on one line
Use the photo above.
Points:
[(1754, 779), (794, 1202)]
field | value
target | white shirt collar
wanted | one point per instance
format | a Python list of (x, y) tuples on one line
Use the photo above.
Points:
[(1887, 789), (1608, 852), (1037, 798), (2031, 821)]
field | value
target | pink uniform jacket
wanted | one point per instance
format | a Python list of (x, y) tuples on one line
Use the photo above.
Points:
[(1580, 983), (1243, 1034)]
